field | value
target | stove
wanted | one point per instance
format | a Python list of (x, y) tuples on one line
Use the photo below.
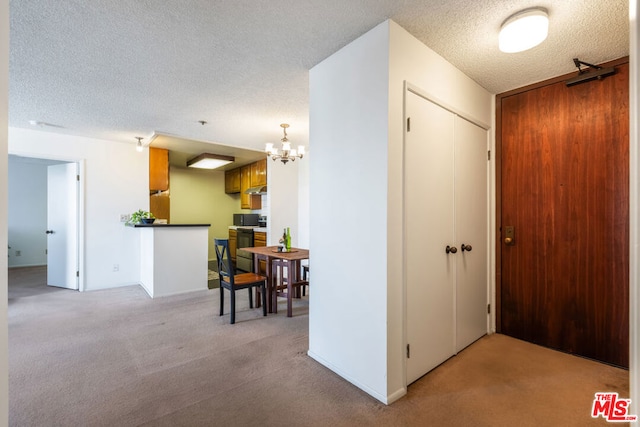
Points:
[(244, 259)]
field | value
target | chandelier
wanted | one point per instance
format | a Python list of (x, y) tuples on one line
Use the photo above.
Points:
[(286, 153)]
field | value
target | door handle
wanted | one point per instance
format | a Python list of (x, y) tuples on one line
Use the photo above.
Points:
[(451, 249), (49, 231), (466, 248)]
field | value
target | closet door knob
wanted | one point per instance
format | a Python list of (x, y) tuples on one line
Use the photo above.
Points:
[(451, 249), (466, 248)]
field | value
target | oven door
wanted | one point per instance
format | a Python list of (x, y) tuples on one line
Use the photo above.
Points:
[(244, 259)]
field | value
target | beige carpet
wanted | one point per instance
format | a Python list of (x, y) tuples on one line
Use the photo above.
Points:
[(118, 358)]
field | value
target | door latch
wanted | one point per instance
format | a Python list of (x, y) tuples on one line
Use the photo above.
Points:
[(509, 235)]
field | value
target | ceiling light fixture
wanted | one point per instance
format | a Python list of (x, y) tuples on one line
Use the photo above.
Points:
[(524, 30), (139, 144), (209, 161), (286, 153)]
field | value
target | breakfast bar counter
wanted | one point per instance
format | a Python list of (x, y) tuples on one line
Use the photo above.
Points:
[(173, 258)]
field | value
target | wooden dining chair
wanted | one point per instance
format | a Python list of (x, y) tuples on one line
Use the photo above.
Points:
[(233, 282)]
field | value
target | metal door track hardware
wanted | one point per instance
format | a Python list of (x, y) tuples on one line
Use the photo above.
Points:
[(509, 235)]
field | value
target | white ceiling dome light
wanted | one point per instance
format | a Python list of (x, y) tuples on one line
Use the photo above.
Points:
[(524, 30)]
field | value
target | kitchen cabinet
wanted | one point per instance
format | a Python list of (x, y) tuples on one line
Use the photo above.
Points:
[(232, 181), (446, 166), (233, 244), (160, 205), (248, 201), (158, 169), (259, 173), (260, 239)]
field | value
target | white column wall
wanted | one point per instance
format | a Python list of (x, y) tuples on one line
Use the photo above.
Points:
[(4, 111), (357, 109), (348, 218), (116, 182)]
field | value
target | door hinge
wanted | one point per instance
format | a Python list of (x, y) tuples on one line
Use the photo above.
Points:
[(488, 308), (408, 124), (77, 274), (489, 155), (77, 177), (408, 351)]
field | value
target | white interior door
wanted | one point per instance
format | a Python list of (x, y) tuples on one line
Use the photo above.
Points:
[(62, 225), (471, 230), (429, 216)]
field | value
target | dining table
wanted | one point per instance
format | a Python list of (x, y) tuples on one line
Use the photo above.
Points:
[(270, 253)]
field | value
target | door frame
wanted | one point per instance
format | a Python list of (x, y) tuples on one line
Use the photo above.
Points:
[(498, 178), (409, 87), (81, 205)]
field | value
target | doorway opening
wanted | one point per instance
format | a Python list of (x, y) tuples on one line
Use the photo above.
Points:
[(44, 213)]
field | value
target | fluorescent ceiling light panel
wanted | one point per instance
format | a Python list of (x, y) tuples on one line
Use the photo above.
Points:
[(524, 30), (210, 161)]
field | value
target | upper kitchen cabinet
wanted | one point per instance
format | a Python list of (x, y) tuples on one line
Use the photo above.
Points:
[(248, 201), (232, 181), (259, 173), (158, 169)]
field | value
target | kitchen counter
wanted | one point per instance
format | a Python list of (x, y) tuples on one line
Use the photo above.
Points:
[(258, 229), (173, 258)]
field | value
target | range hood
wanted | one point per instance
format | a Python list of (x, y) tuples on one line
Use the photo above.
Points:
[(260, 189)]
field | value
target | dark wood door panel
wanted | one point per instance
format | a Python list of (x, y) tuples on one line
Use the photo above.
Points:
[(564, 187)]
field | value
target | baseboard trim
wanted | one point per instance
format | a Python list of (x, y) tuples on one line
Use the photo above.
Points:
[(26, 266), (387, 400)]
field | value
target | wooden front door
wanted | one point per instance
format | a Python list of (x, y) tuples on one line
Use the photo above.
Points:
[(564, 166)]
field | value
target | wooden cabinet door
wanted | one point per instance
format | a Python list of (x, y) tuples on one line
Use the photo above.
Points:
[(260, 239), (245, 183), (158, 169), (259, 173), (248, 201), (232, 181)]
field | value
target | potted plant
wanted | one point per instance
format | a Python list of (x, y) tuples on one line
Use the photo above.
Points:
[(141, 217)]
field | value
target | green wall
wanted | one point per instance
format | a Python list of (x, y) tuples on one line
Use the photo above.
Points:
[(197, 196)]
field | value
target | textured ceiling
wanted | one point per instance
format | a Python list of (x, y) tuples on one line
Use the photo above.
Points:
[(116, 69)]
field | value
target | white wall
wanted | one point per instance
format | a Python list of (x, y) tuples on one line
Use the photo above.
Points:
[(4, 111), (356, 321), (348, 198), (303, 202), (282, 200), (27, 212), (116, 181)]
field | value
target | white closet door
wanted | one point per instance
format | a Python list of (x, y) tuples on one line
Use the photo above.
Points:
[(429, 217), (471, 229)]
